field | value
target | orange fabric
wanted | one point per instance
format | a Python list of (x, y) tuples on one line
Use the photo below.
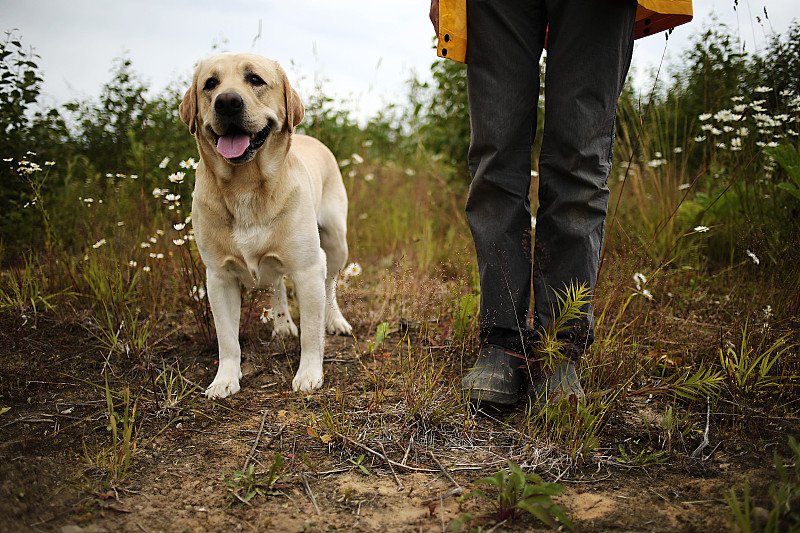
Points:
[(652, 16)]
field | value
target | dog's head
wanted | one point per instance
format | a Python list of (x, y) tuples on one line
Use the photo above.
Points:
[(238, 103)]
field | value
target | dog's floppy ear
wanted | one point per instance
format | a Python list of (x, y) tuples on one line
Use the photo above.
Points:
[(294, 107), (188, 107)]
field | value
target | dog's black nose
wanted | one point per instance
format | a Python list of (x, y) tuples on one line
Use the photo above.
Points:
[(228, 104)]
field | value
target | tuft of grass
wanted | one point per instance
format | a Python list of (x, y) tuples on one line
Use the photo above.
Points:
[(114, 459), (25, 289), (750, 371), (784, 497)]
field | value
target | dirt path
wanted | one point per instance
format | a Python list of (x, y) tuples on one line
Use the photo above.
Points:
[(51, 381)]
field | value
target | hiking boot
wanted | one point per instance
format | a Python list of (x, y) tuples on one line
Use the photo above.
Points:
[(562, 382), (496, 378)]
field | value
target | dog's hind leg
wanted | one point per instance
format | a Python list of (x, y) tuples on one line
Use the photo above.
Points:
[(284, 326), (334, 242)]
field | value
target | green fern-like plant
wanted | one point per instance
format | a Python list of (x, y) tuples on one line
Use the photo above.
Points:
[(571, 305)]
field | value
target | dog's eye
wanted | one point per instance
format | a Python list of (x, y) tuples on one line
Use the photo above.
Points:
[(211, 84), (255, 80)]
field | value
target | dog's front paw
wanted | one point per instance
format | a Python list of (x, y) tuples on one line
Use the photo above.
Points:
[(226, 383), (284, 327), (222, 388), (339, 326), (307, 380)]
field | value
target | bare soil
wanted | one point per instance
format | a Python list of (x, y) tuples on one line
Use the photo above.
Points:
[(52, 383)]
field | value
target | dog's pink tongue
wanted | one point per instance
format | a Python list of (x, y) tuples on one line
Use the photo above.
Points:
[(233, 145)]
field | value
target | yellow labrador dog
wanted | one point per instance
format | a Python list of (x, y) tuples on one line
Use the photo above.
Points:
[(267, 203)]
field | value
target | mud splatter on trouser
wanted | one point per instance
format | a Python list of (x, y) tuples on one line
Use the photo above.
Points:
[(589, 46)]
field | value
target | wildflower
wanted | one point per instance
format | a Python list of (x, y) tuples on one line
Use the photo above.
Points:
[(762, 89), (87, 201), (677, 150), (134, 176), (656, 163), (367, 143), (701, 229), (352, 270), (768, 312), (740, 108), (752, 256), (726, 116), (704, 117), (648, 294), (736, 144), (144, 245), (49, 163), (742, 132), (737, 98), (99, 243), (640, 280), (146, 268), (189, 163), (158, 192), (700, 138), (267, 315), (198, 293), (684, 186), (177, 177), (159, 232), (120, 224), (369, 177), (132, 263), (179, 226), (410, 172), (172, 197), (178, 242), (357, 158), (8, 159), (154, 255), (164, 163), (153, 240), (707, 127), (715, 131)]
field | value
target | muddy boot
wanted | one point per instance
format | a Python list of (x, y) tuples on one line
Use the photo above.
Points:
[(562, 382), (496, 377)]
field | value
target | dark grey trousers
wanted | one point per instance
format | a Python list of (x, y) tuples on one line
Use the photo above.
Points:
[(589, 46)]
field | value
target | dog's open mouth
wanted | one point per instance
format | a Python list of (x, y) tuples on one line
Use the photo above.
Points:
[(239, 146)]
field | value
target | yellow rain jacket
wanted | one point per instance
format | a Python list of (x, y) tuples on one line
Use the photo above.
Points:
[(652, 16)]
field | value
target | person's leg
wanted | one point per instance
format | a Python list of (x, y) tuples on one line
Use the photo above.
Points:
[(505, 42), (589, 48)]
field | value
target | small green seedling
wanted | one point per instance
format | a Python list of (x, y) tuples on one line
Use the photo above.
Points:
[(246, 484), (518, 493)]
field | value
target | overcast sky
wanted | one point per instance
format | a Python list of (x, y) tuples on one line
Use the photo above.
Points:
[(365, 49)]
